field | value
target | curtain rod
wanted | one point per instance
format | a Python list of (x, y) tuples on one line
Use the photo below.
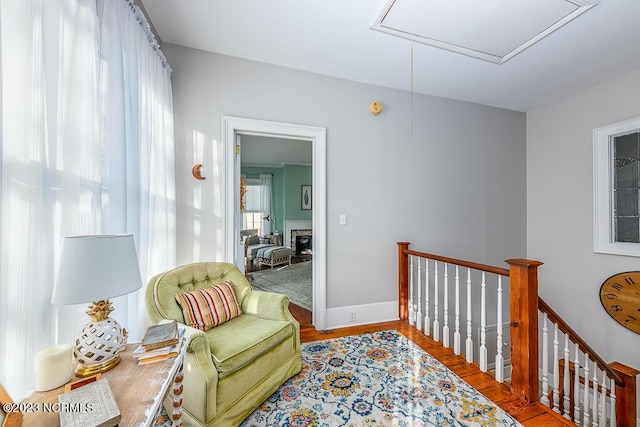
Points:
[(146, 27)]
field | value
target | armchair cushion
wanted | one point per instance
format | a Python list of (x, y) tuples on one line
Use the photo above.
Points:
[(208, 307), (238, 342)]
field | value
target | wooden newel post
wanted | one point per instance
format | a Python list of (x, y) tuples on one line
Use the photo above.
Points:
[(403, 280), (626, 412), (523, 279)]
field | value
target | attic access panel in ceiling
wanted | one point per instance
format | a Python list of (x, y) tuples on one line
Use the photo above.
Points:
[(491, 30)]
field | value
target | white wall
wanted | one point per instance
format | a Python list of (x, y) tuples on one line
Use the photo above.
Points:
[(456, 188), (560, 211)]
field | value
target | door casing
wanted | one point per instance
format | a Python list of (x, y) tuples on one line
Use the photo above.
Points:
[(233, 126)]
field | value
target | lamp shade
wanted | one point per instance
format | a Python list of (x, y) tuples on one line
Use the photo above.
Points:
[(94, 268)]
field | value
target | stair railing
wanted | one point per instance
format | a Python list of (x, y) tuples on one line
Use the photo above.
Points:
[(581, 386)]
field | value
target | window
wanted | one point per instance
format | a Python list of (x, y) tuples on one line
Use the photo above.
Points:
[(616, 151), (252, 215)]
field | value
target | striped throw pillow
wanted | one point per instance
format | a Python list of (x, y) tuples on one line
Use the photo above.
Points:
[(209, 307)]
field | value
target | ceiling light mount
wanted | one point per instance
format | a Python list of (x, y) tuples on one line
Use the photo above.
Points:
[(375, 107)]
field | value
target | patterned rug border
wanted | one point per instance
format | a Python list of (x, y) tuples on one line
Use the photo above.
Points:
[(372, 385)]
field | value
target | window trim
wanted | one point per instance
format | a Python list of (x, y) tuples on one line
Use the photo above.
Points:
[(603, 221)]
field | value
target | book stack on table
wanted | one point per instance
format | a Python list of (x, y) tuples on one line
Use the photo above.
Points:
[(160, 342)]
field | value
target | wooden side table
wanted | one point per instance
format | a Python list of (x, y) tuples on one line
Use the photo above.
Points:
[(138, 389)]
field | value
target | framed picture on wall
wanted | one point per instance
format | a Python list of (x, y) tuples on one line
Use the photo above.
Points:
[(305, 197)]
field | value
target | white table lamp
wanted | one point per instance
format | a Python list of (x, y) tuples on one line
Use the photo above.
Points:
[(94, 269)]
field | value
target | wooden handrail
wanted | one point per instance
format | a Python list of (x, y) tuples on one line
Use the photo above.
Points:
[(468, 264), (575, 338)]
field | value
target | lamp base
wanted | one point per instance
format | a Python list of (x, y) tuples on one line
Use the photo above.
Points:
[(98, 346), (83, 371)]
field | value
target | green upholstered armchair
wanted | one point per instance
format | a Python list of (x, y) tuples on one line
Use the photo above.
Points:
[(235, 366)]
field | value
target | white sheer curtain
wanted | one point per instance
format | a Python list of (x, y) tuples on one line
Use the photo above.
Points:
[(138, 132), (266, 187), (50, 166), (71, 165)]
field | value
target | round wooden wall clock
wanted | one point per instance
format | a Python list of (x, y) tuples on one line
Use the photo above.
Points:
[(620, 297)]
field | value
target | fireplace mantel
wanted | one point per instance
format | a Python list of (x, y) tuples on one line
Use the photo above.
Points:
[(289, 226)]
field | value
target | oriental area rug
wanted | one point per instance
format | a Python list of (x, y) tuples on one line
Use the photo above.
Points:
[(376, 379), (292, 280)]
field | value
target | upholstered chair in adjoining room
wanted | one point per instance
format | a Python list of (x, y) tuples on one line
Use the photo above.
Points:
[(233, 366)]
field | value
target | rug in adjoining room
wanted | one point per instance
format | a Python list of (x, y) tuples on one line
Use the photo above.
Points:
[(376, 379), (292, 280)]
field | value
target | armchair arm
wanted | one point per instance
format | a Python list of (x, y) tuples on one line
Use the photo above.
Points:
[(271, 306), (199, 344), (267, 305), (200, 373)]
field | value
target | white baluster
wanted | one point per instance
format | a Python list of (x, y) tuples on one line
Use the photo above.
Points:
[(603, 400), (469, 341), (499, 357), (445, 326), (436, 323), (556, 369), (419, 310), (566, 405), (586, 420), (412, 311), (576, 387), (456, 333), (545, 363), (594, 403), (613, 421), (427, 319), (483, 325)]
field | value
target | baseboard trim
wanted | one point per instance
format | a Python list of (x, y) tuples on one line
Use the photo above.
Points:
[(364, 314)]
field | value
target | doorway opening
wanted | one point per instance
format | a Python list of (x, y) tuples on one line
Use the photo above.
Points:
[(275, 176), (234, 130)]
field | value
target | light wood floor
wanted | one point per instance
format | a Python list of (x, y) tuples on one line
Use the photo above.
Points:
[(528, 415)]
